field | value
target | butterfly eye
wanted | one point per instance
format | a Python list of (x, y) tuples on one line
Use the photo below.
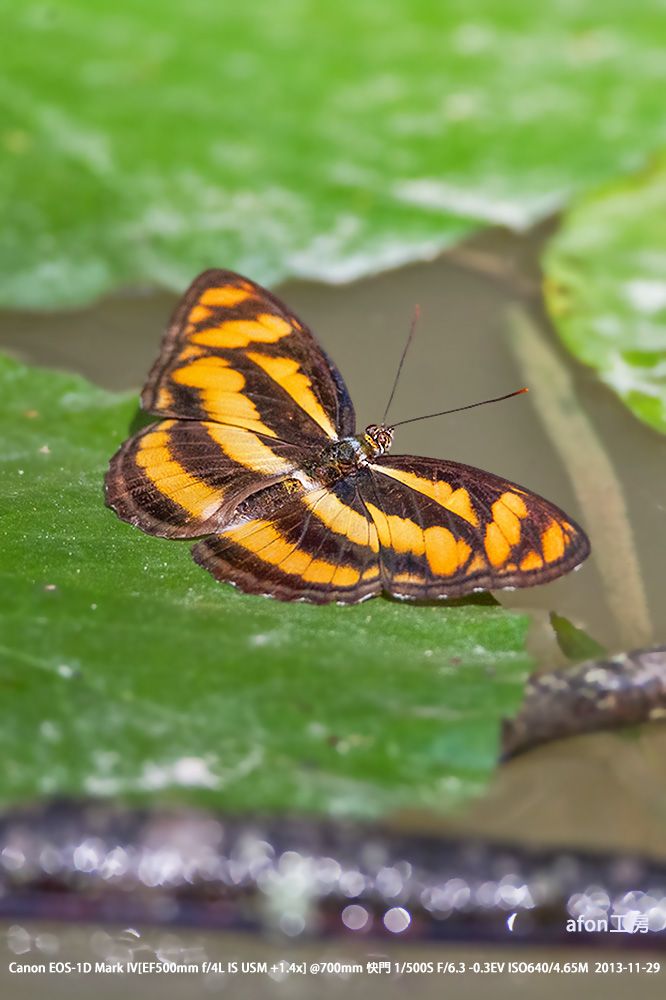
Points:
[(381, 438)]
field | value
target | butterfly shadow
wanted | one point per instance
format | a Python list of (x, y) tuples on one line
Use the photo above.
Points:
[(140, 419), (483, 598)]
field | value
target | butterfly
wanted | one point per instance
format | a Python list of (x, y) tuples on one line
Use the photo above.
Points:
[(256, 454)]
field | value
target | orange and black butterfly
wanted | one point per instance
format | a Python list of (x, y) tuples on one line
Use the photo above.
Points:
[(257, 455)]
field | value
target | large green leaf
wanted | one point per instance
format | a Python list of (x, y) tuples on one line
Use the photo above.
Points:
[(141, 142), (606, 288), (126, 669)]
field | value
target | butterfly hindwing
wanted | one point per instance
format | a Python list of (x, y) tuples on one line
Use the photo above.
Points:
[(447, 529), (184, 478), (319, 546), (233, 353)]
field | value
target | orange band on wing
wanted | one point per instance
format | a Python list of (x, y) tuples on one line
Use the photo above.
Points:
[(341, 519), (220, 387), (496, 545), (445, 553), (397, 533), (552, 542), (265, 329), (458, 501), (507, 512), (264, 541), (223, 295), (437, 490), (531, 561), (244, 447), (287, 373), (171, 478)]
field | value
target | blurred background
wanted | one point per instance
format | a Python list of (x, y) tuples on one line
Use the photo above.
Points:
[(499, 163), (144, 142)]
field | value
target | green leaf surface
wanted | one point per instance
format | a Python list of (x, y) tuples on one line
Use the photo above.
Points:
[(142, 142), (126, 670), (606, 288)]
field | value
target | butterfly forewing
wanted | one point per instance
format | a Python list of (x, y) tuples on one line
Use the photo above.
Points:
[(234, 354), (253, 397), (447, 529)]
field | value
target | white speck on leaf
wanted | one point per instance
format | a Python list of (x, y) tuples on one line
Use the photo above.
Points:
[(186, 771), (49, 731), (260, 640)]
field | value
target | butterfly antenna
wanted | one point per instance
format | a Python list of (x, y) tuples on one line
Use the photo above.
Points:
[(457, 409), (415, 319)]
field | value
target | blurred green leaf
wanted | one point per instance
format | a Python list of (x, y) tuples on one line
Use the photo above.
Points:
[(606, 288), (126, 670), (574, 642), (142, 142)]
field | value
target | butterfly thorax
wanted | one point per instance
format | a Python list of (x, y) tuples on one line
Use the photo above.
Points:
[(341, 457)]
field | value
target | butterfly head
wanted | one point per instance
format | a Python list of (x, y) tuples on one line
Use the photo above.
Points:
[(378, 438)]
